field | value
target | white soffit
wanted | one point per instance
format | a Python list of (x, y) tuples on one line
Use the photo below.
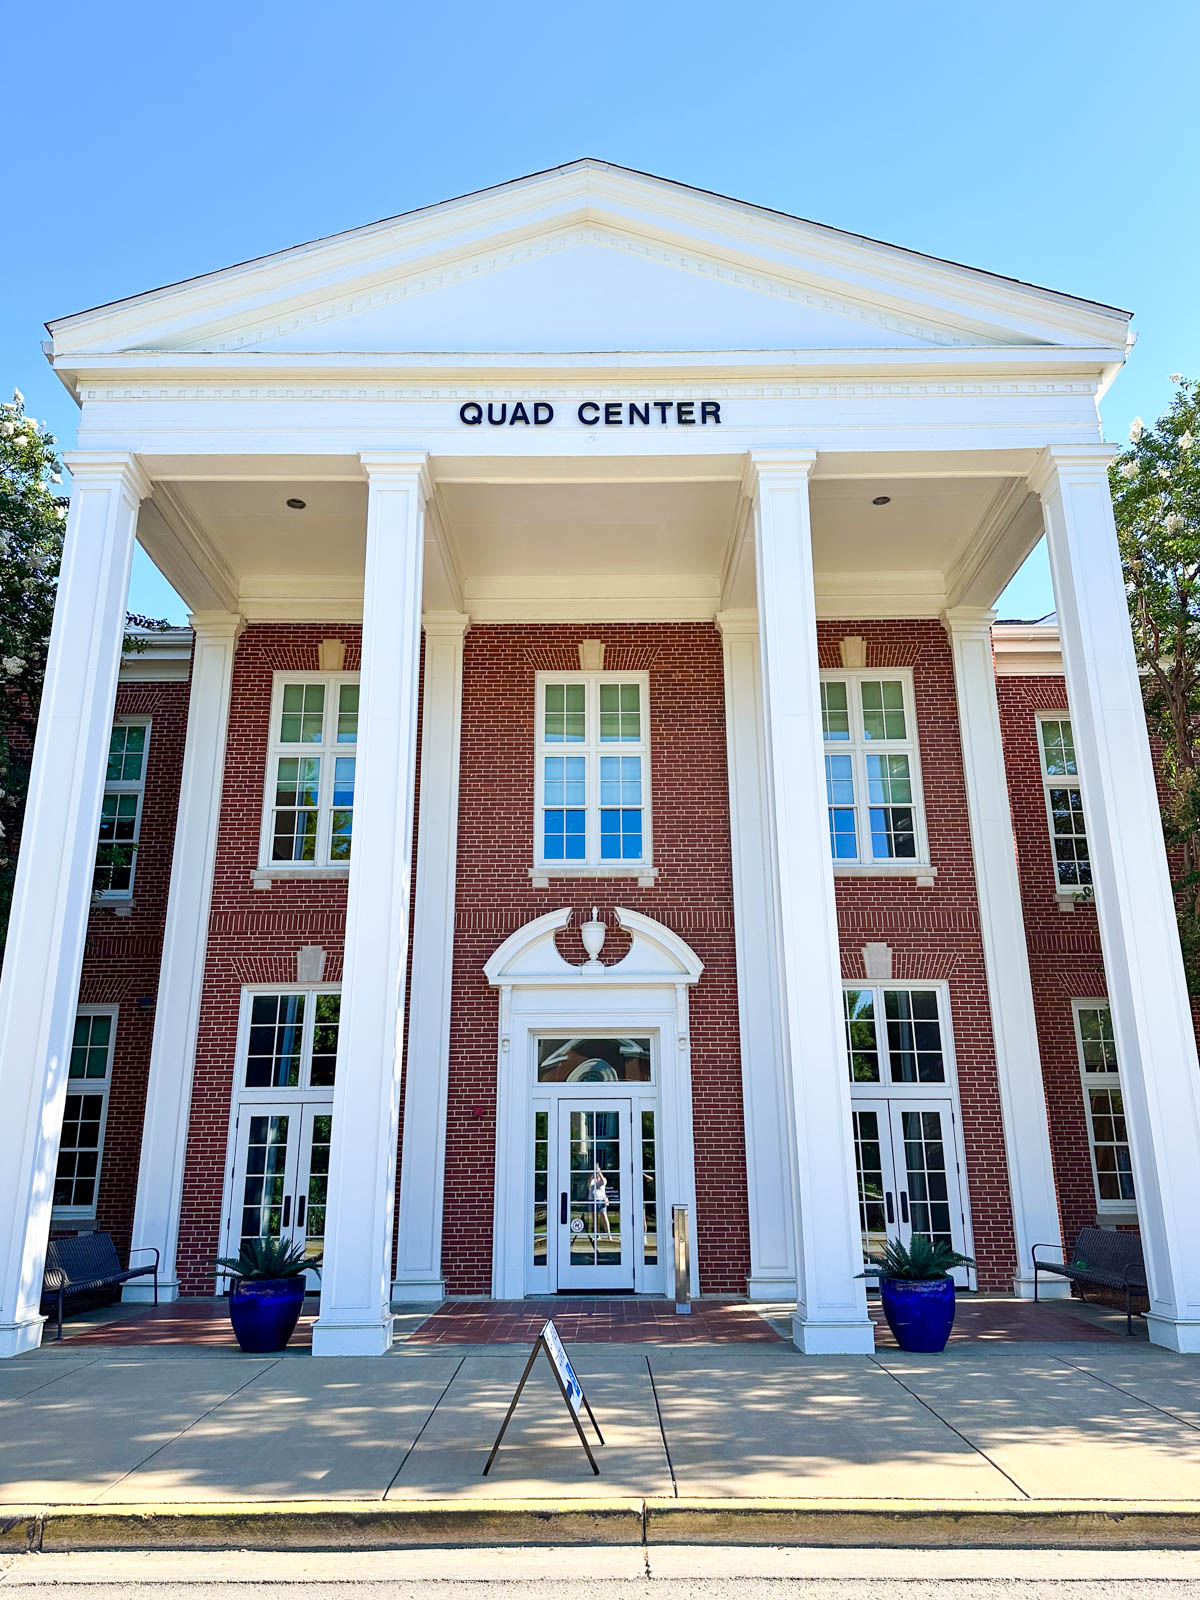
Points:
[(588, 257)]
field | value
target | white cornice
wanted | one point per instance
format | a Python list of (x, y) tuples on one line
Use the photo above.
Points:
[(1027, 650)]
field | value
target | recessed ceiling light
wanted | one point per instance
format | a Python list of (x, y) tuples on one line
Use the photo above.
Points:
[(297, 505), (879, 500)]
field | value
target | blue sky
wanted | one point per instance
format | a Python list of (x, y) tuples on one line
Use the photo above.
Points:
[(1053, 142)]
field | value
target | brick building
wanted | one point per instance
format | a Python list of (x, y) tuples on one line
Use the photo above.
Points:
[(597, 785)]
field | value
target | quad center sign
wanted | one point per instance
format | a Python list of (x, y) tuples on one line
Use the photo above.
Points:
[(606, 413)]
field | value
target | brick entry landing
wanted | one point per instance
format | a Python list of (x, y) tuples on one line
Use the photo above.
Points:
[(600, 1320)]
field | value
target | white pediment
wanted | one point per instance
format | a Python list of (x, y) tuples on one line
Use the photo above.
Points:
[(587, 258), (530, 957), (591, 290)]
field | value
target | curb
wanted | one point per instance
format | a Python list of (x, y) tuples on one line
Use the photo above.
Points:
[(380, 1525)]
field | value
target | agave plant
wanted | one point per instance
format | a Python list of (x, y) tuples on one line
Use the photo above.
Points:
[(269, 1258), (920, 1261)]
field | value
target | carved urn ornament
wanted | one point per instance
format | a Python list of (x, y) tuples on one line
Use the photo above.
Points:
[(592, 933)]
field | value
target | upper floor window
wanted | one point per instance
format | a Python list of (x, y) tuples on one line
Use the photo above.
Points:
[(1064, 803), (85, 1111), (309, 812), (121, 809), (1112, 1164), (593, 769), (291, 1039), (894, 1036), (872, 780)]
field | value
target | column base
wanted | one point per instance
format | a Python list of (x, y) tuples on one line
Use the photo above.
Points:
[(772, 1289), (142, 1293), (18, 1337), (833, 1338), (373, 1338), (1174, 1333), (418, 1291), (1048, 1288)]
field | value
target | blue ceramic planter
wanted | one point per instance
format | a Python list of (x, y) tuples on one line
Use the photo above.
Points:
[(919, 1312), (265, 1311)]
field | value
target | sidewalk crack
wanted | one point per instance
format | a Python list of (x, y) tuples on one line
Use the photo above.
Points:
[(391, 1483), (970, 1443), (175, 1437), (1120, 1389), (662, 1432), (57, 1378)]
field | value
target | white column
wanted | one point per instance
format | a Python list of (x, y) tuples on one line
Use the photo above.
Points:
[(423, 1154), (831, 1311), (1005, 954), (39, 989), (1152, 1020), (185, 941), (766, 1098), (355, 1317)]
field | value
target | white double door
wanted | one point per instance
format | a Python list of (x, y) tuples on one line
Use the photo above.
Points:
[(280, 1179), (597, 1199), (909, 1177)]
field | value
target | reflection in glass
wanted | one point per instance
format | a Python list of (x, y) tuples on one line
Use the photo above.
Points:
[(580, 1060)]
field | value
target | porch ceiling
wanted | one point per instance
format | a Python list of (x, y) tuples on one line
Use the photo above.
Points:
[(586, 540)]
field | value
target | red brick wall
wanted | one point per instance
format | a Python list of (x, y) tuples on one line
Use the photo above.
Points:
[(693, 896), (934, 933), (1065, 961), (122, 953)]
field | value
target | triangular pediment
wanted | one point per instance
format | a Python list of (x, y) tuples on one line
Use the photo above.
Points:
[(588, 258)]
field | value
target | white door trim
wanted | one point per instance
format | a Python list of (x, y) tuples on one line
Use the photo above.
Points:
[(646, 992)]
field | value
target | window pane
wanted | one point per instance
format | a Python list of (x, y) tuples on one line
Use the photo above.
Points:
[(302, 719), (649, 1193), (126, 750), (564, 713), (1071, 861), (620, 711), (342, 819), (297, 789), (541, 1150), (347, 728), (869, 1162), (621, 835), (889, 792), (1114, 1167), (1099, 1048), (579, 1060), (862, 1042), (839, 790), (276, 1033), (327, 1011), (883, 710), (835, 709), (1058, 749), (914, 1036)]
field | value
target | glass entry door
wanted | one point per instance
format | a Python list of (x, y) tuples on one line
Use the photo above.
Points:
[(908, 1177), (280, 1177), (596, 1197)]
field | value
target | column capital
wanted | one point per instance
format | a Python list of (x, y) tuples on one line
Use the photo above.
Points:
[(739, 624), (960, 620), (445, 624), (108, 466), (217, 624), (1087, 461), (398, 466), (783, 467)]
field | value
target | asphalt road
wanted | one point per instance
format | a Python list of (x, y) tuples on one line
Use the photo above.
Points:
[(611, 1573)]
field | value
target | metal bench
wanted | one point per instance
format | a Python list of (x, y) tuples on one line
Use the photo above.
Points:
[(88, 1261), (1103, 1258)]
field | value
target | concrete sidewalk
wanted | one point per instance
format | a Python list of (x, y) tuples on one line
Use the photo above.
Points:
[(1015, 1424)]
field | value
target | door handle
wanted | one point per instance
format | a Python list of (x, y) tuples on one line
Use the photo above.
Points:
[(562, 1209), (903, 1206), (891, 1210), (300, 1205), (287, 1210)]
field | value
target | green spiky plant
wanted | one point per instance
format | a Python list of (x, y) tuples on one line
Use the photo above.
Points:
[(265, 1259), (921, 1261)]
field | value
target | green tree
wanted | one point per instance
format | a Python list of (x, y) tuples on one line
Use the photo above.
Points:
[(1156, 497), (33, 512)]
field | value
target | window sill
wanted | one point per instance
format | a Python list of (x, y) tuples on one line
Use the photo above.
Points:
[(923, 873), (116, 907), (540, 877), (1068, 899), (264, 877)]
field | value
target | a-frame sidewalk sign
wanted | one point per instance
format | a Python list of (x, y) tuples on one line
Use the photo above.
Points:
[(569, 1386)]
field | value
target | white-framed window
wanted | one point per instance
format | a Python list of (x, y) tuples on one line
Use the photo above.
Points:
[(895, 1035), (872, 770), (308, 811), (592, 770), (1112, 1165), (121, 809), (1064, 803), (290, 1038), (81, 1147)]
